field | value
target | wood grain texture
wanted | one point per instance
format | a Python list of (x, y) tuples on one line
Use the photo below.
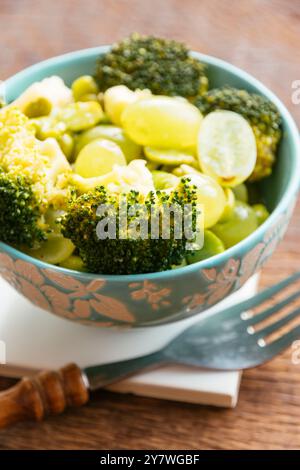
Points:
[(47, 393), (261, 36)]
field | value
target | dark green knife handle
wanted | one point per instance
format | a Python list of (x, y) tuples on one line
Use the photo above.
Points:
[(106, 374)]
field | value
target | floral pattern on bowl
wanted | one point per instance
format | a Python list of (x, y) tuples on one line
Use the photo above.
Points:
[(158, 298), (101, 301)]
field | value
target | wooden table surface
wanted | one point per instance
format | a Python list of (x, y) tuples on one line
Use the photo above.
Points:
[(261, 36)]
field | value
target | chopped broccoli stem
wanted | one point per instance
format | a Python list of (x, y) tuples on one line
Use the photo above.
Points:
[(163, 66)]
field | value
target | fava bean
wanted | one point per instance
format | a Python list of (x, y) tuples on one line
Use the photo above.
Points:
[(84, 85), (80, 116), (168, 157)]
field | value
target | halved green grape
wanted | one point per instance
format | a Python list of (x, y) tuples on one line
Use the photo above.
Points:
[(66, 143), (164, 180), (211, 196), (98, 158), (229, 206), (167, 156), (227, 147), (162, 122), (130, 149), (55, 250), (74, 262), (212, 246), (80, 116), (84, 85), (241, 192), (261, 212), (241, 224)]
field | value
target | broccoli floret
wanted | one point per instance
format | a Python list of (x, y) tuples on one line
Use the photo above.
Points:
[(163, 66), (120, 255), (20, 218), (262, 115), (29, 180)]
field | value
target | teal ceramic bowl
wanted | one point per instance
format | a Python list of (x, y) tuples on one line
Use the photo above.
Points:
[(164, 297)]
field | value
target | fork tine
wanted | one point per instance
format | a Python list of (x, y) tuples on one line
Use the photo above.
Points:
[(269, 311), (278, 324), (261, 297), (284, 342)]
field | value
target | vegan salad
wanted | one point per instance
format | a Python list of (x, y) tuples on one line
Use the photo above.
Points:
[(146, 127)]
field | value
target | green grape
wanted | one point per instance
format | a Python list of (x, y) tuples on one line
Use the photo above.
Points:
[(84, 85), (164, 180), (74, 262), (168, 157), (241, 193), (227, 147), (55, 250), (98, 158), (241, 224), (211, 196), (162, 122), (80, 116), (212, 246), (261, 212), (229, 206), (130, 149), (66, 143)]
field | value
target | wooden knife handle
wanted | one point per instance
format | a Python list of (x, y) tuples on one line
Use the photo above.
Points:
[(48, 393)]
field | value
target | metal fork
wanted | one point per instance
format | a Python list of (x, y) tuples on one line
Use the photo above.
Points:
[(227, 340)]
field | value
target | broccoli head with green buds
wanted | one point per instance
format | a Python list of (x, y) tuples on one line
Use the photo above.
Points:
[(161, 65), (140, 250), (262, 115), (29, 180)]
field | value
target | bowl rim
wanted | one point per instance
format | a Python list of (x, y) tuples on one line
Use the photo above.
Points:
[(284, 203)]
